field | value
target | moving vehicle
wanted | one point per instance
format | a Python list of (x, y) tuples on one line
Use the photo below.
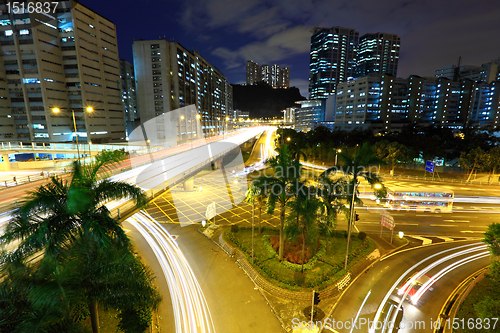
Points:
[(420, 199), (412, 285)]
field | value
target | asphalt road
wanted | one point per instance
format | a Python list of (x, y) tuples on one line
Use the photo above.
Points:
[(381, 278)]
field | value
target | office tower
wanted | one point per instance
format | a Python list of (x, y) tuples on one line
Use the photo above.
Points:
[(68, 60), (332, 59), (265, 74), (284, 78), (378, 53), (169, 77), (253, 75), (128, 94)]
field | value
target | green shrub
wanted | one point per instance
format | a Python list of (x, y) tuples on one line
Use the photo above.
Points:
[(299, 278), (234, 228), (362, 236)]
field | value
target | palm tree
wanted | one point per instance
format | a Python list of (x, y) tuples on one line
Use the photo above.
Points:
[(55, 213), (358, 166), (276, 188), (61, 214), (303, 218)]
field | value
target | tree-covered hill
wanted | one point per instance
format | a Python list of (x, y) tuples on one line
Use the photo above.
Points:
[(261, 100)]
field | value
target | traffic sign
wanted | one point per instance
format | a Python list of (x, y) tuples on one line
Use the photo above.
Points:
[(387, 221), (429, 166), (211, 211)]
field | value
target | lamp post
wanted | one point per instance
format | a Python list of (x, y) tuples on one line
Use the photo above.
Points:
[(89, 109), (350, 223), (225, 128), (351, 217), (336, 152)]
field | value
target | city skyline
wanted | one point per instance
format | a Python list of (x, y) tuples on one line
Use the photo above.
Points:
[(228, 33)]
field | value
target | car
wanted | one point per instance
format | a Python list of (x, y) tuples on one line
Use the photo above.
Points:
[(412, 285)]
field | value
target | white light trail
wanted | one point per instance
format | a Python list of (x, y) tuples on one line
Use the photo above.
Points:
[(389, 293), (191, 311)]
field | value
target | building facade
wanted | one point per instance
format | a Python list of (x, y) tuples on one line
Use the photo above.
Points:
[(308, 114), (252, 72), (169, 77), (284, 78), (128, 94), (378, 53), (67, 59), (487, 72), (332, 59), (388, 103)]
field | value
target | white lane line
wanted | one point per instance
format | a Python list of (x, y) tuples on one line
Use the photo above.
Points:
[(457, 221), (443, 225), (360, 308)]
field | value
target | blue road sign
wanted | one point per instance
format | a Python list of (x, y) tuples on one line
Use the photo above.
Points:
[(429, 166)]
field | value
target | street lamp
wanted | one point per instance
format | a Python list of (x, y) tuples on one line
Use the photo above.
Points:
[(336, 152), (89, 109), (351, 218)]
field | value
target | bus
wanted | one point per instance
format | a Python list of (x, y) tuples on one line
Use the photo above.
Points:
[(419, 199)]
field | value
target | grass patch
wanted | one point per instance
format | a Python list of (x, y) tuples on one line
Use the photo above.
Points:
[(326, 271)]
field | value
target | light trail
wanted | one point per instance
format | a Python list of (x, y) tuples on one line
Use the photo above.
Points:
[(191, 311), (428, 284), (396, 284)]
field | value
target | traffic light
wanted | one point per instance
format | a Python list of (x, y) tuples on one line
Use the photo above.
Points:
[(357, 217), (316, 297)]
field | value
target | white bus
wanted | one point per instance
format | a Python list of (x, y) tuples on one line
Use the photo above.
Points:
[(419, 199)]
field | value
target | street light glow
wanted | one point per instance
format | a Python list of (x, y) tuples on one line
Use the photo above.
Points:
[(90, 109), (56, 110)]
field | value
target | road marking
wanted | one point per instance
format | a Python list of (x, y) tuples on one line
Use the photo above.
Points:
[(446, 239), (458, 221), (359, 311), (443, 225), (424, 240), (471, 232), (405, 223)]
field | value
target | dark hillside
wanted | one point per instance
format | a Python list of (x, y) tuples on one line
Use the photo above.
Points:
[(261, 100)]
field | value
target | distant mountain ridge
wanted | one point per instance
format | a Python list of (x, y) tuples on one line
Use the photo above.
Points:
[(261, 100)]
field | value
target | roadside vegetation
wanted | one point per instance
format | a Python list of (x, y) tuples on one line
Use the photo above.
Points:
[(484, 299), (306, 250), (70, 258), (473, 150)]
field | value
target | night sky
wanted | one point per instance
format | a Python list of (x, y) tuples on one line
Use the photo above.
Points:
[(434, 33)]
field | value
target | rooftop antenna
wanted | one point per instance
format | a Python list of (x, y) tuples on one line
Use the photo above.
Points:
[(456, 74)]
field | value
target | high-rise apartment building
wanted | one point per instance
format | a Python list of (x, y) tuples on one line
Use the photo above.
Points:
[(128, 94), (275, 76), (66, 59), (387, 103), (265, 74), (170, 77), (253, 75), (332, 59), (284, 78), (378, 53), (487, 72)]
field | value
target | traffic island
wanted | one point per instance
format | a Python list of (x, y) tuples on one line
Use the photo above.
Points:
[(288, 293)]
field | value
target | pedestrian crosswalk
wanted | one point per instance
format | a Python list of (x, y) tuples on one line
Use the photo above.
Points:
[(426, 240)]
